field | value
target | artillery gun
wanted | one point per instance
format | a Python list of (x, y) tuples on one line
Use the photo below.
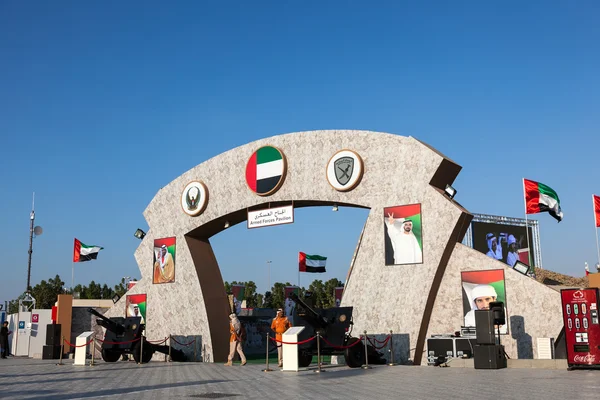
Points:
[(123, 337), (335, 327)]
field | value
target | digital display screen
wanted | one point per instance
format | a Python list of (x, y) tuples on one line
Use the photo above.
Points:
[(506, 243)]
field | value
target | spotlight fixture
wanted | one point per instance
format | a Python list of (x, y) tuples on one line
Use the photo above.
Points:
[(115, 298), (226, 224), (335, 207), (450, 191), (139, 234)]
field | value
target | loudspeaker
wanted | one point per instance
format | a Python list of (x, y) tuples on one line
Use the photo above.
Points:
[(497, 308), (50, 352), (484, 327), (489, 357), (53, 335)]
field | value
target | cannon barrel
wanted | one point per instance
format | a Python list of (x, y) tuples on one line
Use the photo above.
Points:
[(312, 316), (107, 323)]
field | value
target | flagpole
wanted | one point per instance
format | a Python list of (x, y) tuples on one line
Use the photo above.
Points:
[(529, 255), (596, 227), (72, 276)]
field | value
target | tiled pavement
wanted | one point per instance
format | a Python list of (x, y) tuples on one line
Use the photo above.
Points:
[(43, 379)]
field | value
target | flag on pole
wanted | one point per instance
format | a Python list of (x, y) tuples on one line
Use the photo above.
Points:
[(311, 263), (82, 252), (597, 210), (541, 198)]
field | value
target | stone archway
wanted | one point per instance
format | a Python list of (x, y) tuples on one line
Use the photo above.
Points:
[(397, 171)]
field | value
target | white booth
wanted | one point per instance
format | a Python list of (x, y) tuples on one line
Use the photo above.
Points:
[(290, 351)]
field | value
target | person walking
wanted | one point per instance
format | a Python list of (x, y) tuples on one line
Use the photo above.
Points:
[(235, 340)]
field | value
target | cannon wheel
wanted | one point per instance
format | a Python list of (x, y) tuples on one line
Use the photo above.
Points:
[(109, 355), (147, 352), (355, 355), (304, 359)]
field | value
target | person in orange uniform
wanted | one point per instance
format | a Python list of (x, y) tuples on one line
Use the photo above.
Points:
[(235, 340), (280, 324)]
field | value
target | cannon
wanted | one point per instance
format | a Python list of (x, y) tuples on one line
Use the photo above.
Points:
[(335, 326), (123, 335)]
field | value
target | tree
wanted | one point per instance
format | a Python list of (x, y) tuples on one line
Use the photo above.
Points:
[(318, 290), (278, 294), (329, 295), (268, 300), (121, 288), (46, 293)]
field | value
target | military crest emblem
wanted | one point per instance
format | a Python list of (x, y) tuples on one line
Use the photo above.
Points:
[(194, 198), (344, 170)]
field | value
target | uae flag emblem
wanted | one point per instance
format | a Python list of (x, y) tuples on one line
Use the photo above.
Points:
[(541, 198), (265, 171), (83, 252)]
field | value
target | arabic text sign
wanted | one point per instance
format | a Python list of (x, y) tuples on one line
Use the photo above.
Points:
[(270, 216)]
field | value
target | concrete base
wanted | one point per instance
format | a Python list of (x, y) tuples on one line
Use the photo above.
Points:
[(514, 363)]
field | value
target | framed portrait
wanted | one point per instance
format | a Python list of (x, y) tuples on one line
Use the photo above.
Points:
[(479, 288), (403, 235), (164, 261)]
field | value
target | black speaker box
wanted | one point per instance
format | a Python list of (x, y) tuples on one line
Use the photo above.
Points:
[(50, 352), (484, 327), (497, 308), (489, 357), (53, 335)]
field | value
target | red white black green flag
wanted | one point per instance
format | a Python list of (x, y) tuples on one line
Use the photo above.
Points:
[(83, 252), (541, 198)]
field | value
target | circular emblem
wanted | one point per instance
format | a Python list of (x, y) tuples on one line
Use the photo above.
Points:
[(344, 170), (265, 170), (194, 198)]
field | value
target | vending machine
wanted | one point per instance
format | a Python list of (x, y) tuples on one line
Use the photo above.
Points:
[(582, 328)]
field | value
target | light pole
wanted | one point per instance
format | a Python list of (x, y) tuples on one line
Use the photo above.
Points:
[(32, 231), (269, 266)]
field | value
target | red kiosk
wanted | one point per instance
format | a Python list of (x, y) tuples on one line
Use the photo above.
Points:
[(582, 327)]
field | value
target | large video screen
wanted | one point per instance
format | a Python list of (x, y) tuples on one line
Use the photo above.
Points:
[(506, 243)]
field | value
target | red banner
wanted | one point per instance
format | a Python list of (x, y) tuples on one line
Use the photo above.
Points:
[(597, 209)]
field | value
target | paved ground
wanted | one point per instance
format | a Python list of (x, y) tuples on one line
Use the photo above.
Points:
[(42, 379)]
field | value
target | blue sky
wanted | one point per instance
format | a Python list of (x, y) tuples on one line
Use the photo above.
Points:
[(100, 100)]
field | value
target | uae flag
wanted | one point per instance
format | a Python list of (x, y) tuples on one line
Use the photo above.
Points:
[(311, 263), (265, 170), (541, 198), (82, 252), (597, 209)]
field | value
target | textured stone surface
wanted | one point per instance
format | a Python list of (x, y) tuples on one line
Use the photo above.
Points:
[(398, 171), (534, 310)]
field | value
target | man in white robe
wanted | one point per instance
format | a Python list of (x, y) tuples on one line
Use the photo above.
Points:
[(495, 251), (513, 255), (482, 296), (404, 242)]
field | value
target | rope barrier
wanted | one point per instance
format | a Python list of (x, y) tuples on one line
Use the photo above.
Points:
[(387, 338), (302, 342), (157, 341), (342, 347), (82, 345), (184, 345), (383, 344)]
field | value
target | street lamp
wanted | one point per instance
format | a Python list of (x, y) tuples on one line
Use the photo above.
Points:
[(269, 265)]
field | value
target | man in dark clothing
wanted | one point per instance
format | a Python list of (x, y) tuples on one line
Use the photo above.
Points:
[(4, 332)]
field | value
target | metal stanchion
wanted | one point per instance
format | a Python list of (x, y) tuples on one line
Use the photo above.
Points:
[(62, 350), (267, 369), (319, 370), (366, 364), (392, 363), (93, 351), (170, 345), (141, 350), (204, 359), (195, 346)]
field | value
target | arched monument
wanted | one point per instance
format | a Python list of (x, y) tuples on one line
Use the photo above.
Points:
[(410, 286)]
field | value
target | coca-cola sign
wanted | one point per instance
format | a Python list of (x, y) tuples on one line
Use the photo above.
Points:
[(587, 359)]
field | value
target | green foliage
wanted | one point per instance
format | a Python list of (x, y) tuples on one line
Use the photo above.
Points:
[(253, 299), (46, 293)]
